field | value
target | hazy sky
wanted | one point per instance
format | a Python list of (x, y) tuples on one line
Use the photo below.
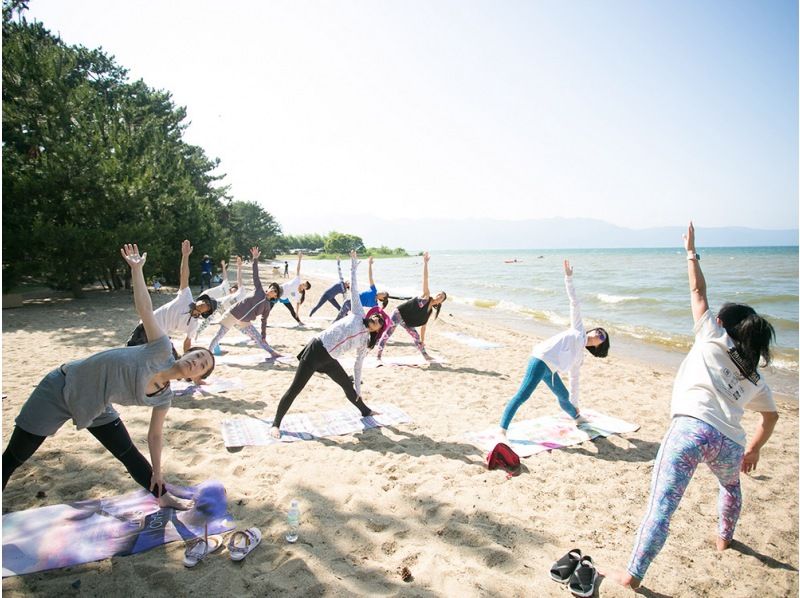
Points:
[(637, 113)]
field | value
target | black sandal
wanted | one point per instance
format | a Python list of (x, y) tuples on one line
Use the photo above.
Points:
[(564, 567), (582, 581)]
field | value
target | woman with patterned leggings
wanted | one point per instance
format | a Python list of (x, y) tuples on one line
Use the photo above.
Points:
[(415, 312), (717, 380)]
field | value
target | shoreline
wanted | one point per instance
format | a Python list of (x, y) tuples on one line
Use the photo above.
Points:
[(784, 382)]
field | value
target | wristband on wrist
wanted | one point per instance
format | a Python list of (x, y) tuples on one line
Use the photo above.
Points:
[(691, 255)]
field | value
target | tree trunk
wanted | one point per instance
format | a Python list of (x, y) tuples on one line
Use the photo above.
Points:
[(75, 286)]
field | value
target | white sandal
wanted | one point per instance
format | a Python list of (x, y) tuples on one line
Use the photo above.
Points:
[(198, 550), (242, 543)]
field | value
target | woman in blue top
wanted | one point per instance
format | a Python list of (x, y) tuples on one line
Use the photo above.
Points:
[(84, 391), (329, 296), (369, 298)]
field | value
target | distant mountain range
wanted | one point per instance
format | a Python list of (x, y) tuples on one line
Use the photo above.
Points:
[(549, 233)]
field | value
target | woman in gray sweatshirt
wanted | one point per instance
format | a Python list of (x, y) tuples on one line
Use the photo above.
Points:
[(85, 391)]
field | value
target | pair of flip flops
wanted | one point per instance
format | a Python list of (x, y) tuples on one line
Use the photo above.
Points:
[(576, 570), (240, 544)]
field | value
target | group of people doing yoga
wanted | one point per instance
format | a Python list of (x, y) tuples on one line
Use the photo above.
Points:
[(715, 383)]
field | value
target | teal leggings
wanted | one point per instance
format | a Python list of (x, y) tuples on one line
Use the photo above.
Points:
[(536, 372)]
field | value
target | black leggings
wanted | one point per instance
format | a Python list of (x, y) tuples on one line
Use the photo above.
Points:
[(315, 358), (114, 436)]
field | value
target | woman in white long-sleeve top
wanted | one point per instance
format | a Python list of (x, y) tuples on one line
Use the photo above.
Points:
[(560, 353), (358, 331)]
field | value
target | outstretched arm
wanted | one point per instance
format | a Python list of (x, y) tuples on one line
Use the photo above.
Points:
[(426, 292), (299, 260), (186, 251), (155, 442), (341, 278), (141, 298), (759, 439), (574, 307), (255, 253), (371, 280), (355, 297), (697, 282), (224, 265), (239, 272)]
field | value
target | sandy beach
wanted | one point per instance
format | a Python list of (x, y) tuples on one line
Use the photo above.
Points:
[(414, 495)]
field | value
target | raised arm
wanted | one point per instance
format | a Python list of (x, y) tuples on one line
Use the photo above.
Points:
[(355, 298), (224, 265), (186, 251), (697, 282), (255, 253), (426, 292), (141, 298), (299, 260), (574, 306), (341, 278), (371, 280)]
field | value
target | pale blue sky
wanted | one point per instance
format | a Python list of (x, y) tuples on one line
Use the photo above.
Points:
[(634, 112)]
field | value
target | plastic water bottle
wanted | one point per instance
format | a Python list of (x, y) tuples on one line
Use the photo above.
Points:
[(293, 522)]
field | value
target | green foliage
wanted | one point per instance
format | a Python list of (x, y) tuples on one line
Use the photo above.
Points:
[(386, 251), (309, 242), (250, 225), (343, 243), (92, 161)]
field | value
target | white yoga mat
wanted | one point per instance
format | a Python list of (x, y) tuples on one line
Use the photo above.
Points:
[(370, 362), (251, 431), (471, 341), (533, 436)]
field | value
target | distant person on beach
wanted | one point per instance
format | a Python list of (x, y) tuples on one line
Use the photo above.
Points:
[(85, 391), (285, 269), (294, 291), (226, 294), (329, 296), (369, 298), (717, 380), (248, 309), (560, 353), (206, 270), (415, 312), (357, 332), (179, 316)]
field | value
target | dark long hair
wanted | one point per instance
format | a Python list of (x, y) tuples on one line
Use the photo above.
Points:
[(438, 308), (374, 336), (274, 286), (303, 293), (600, 350), (751, 335)]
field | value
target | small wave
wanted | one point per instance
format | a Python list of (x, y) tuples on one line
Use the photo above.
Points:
[(485, 303), (616, 298)]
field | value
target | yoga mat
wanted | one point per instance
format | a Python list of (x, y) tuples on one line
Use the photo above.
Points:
[(370, 362), (215, 386), (91, 530), (253, 431), (471, 341), (251, 359), (533, 436)]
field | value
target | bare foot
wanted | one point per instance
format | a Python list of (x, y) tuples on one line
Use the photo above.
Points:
[(275, 433), (170, 500), (623, 578), (722, 544)]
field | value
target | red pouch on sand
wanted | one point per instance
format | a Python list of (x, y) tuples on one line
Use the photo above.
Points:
[(503, 456)]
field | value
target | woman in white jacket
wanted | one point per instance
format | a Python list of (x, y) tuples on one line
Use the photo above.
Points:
[(560, 353), (357, 331)]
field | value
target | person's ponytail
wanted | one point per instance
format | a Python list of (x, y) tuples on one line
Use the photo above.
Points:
[(751, 335)]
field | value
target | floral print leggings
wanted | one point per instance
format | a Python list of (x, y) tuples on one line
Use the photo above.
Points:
[(397, 320), (688, 443)]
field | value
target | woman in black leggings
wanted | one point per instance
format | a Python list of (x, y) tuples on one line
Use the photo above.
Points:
[(83, 391)]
